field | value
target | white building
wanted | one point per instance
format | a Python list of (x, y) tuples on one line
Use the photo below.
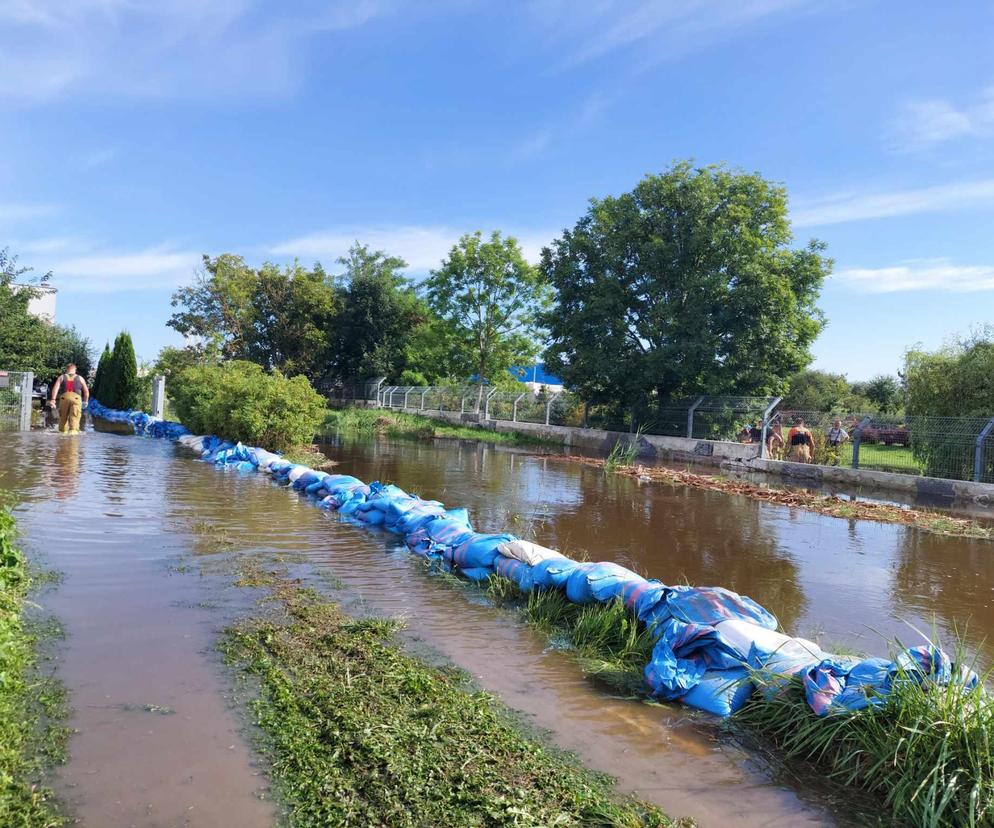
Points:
[(43, 303)]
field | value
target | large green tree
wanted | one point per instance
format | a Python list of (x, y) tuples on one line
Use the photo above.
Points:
[(491, 300), (380, 313), (686, 285), (292, 310), (276, 317), (120, 385)]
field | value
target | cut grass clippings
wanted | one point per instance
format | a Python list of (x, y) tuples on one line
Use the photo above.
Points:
[(32, 706), (832, 505), (360, 733), (415, 426)]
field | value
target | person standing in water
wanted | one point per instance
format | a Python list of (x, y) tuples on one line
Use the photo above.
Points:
[(71, 404)]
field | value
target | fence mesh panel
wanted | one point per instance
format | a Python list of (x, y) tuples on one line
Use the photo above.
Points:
[(948, 447), (10, 400)]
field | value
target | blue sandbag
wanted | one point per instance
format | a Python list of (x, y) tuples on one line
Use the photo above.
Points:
[(447, 532), (514, 570), (721, 692), (478, 550), (477, 573), (372, 517), (462, 515), (553, 573), (414, 519)]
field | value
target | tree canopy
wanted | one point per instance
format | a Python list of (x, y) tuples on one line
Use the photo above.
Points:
[(685, 285), (380, 313), (490, 300), (953, 381)]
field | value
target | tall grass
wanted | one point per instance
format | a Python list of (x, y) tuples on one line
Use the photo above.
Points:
[(927, 750), (624, 452), (607, 640)]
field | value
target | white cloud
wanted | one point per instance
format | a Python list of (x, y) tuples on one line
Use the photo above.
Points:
[(937, 274), (862, 206), (664, 28), (422, 247), (109, 271), (163, 48), (923, 124)]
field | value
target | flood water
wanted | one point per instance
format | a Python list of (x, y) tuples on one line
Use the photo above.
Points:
[(117, 515)]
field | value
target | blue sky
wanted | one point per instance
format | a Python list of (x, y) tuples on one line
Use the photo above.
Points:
[(138, 135)]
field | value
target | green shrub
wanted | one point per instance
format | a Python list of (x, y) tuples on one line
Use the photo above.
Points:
[(241, 401)]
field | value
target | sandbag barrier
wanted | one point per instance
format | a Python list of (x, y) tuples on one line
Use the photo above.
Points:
[(712, 646)]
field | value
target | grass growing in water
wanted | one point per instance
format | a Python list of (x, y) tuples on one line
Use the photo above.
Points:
[(608, 641), (399, 424), (31, 706), (624, 452), (361, 733), (928, 751)]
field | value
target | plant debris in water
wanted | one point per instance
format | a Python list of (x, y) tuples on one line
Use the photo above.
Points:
[(32, 705), (361, 733), (832, 505)]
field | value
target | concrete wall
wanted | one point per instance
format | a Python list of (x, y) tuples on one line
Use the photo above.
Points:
[(650, 446), (743, 458)]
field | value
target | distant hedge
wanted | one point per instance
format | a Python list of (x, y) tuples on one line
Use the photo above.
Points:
[(240, 401)]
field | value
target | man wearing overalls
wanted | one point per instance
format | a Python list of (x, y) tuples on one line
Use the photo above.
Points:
[(71, 405)]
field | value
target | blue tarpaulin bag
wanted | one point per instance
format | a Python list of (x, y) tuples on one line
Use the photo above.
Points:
[(516, 571), (478, 551), (553, 573), (722, 692)]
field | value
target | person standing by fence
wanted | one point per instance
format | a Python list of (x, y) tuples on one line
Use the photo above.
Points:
[(836, 437), (800, 442), (71, 404)]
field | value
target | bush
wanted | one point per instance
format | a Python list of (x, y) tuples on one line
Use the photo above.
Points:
[(240, 401)]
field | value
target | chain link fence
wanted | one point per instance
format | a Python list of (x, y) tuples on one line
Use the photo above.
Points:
[(956, 448), (15, 400)]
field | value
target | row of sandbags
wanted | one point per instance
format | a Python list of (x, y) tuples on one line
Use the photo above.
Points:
[(713, 646)]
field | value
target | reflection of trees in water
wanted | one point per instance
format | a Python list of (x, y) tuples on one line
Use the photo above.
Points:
[(949, 579), (676, 534)]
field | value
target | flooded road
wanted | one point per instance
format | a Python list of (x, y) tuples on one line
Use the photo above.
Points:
[(118, 514)]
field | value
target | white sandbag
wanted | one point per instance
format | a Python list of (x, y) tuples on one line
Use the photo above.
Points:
[(297, 472), (742, 635), (192, 441), (265, 458), (527, 552)]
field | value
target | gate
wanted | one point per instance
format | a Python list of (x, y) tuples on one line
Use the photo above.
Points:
[(15, 400)]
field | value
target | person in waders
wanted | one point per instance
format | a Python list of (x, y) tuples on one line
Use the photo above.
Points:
[(71, 404)]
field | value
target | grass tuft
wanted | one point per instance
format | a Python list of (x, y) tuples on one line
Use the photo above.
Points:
[(927, 751)]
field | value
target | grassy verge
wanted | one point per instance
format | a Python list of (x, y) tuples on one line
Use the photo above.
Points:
[(399, 424), (32, 706), (361, 733)]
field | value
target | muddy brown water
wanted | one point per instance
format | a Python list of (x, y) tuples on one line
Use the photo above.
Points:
[(124, 517)]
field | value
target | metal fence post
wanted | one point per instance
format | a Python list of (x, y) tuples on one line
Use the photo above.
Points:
[(763, 452), (423, 395), (158, 396), (548, 406), (857, 438), (27, 386), (406, 392), (486, 405), (690, 417), (978, 454), (514, 410)]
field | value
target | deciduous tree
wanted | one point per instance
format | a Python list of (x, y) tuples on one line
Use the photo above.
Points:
[(686, 285)]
